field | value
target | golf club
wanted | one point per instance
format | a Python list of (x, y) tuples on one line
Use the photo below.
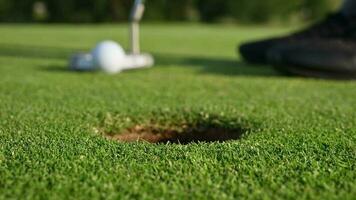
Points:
[(110, 57)]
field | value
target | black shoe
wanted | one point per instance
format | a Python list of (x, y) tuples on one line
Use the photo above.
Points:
[(333, 26), (322, 58)]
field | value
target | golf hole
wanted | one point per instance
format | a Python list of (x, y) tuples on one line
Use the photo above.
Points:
[(182, 135)]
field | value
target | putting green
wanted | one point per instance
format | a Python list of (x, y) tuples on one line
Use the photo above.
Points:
[(299, 138)]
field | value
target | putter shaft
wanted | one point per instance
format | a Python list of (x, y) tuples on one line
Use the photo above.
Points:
[(136, 16)]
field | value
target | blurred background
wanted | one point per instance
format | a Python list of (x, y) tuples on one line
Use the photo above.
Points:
[(207, 11)]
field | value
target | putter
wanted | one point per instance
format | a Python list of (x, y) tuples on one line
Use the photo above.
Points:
[(133, 60)]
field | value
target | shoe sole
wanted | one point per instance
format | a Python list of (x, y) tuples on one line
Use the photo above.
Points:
[(312, 73), (313, 61)]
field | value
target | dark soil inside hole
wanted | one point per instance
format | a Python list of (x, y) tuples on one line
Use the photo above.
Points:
[(184, 134)]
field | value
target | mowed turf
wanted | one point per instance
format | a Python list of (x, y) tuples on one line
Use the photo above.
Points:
[(299, 140)]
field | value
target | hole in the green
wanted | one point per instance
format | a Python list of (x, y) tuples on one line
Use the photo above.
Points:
[(182, 135), (183, 130)]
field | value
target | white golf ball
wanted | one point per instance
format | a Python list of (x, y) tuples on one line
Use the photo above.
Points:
[(108, 56)]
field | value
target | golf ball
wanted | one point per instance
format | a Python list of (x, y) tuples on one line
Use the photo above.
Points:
[(108, 56)]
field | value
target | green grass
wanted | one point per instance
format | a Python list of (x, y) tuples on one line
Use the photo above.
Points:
[(300, 143)]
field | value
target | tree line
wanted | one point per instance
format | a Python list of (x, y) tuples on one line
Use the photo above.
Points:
[(96, 11)]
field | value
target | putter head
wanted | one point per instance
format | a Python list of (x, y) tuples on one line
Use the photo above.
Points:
[(137, 61), (81, 62), (85, 62)]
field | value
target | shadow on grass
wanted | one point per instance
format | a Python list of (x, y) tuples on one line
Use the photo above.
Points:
[(32, 51), (61, 69), (211, 65), (205, 65)]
